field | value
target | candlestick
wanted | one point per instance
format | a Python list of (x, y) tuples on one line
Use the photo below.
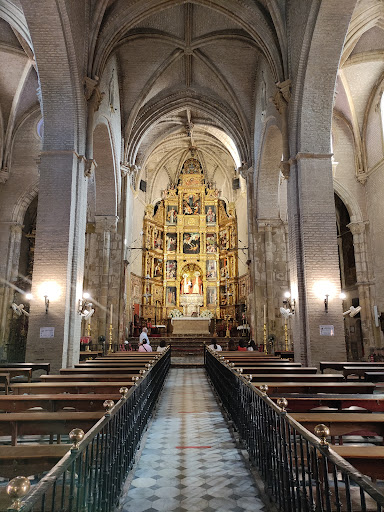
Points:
[(265, 338), (286, 334), (110, 337), (110, 319), (265, 314)]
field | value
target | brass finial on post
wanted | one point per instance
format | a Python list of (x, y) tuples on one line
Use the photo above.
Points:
[(283, 404), (16, 489), (264, 388), (322, 431), (123, 391), (76, 435), (108, 404)]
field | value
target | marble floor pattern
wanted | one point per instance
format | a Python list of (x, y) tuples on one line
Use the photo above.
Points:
[(189, 461)]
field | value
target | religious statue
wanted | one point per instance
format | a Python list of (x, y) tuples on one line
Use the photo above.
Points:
[(197, 284), (172, 215), (186, 285), (211, 215)]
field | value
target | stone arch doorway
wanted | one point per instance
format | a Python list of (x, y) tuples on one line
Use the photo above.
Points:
[(348, 278)]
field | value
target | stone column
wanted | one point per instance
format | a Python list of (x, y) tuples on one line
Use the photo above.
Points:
[(105, 226), (314, 258), (9, 272), (248, 174), (371, 335), (59, 259)]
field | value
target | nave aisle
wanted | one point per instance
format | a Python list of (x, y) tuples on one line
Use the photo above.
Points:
[(189, 461)]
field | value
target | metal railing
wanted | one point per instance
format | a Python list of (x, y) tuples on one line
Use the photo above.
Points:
[(90, 476), (300, 471)]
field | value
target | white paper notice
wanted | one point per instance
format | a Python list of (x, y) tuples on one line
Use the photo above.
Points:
[(47, 332), (327, 330)]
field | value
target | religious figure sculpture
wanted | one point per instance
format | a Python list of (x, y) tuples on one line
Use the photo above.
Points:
[(197, 284), (186, 285)]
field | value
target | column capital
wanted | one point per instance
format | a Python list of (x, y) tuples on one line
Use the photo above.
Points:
[(282, 96), (92, 92), (245, 171), (357, 228)]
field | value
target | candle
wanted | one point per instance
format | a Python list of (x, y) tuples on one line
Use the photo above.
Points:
[(265, 314), (110, 321)]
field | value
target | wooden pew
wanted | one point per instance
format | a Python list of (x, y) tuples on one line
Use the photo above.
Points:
[(293, 377), (305, 403), (55, 402), (106, 364), (15, 424), (93, 377), (102, 388), (18, 372), (74, 371), (341, 423), (84, 354), (30, 459), (265, 365), (359, 370), (273, 370), (337, 365), (5, 379), (35, 366), (316, 387), (369, 460), (373, 376)]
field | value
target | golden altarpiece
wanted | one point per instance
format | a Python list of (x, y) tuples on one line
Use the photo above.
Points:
[(190, 258)]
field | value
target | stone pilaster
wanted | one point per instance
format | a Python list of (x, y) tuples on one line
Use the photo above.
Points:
[(314, 258), (59, 258), (9, 273), (371, 334)]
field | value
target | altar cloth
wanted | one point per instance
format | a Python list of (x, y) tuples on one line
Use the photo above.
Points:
[(190, 325)]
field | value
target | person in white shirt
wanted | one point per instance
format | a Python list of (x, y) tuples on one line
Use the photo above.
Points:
[(144, 336), (162, 346), (215, 346)]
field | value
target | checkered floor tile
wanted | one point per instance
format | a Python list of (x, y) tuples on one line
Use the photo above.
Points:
[(189, 461)]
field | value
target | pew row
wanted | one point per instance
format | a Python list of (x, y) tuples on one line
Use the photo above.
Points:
[(341, 423), (30, 459), (316, 387), (55, 402), (19, 424), (338, 366), (306, 403), (88, 377), (106, 388), (34, 366)]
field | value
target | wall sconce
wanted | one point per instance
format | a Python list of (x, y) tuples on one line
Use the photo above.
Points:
[(46, 300), (49, 291), (84, 307), (288, 303), (324, 290)]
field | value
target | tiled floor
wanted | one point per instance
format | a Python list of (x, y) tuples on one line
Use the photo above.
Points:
[(189, 461)]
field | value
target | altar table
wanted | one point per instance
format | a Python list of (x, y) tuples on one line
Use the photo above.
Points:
[(190, 325)]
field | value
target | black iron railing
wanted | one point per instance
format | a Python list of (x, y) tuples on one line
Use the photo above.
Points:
[(90, 476), (300, 471)]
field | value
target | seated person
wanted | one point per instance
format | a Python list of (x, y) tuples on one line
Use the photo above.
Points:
[(252, 346), (144, 347), (214, 345), (242, 346), (161, 347)]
